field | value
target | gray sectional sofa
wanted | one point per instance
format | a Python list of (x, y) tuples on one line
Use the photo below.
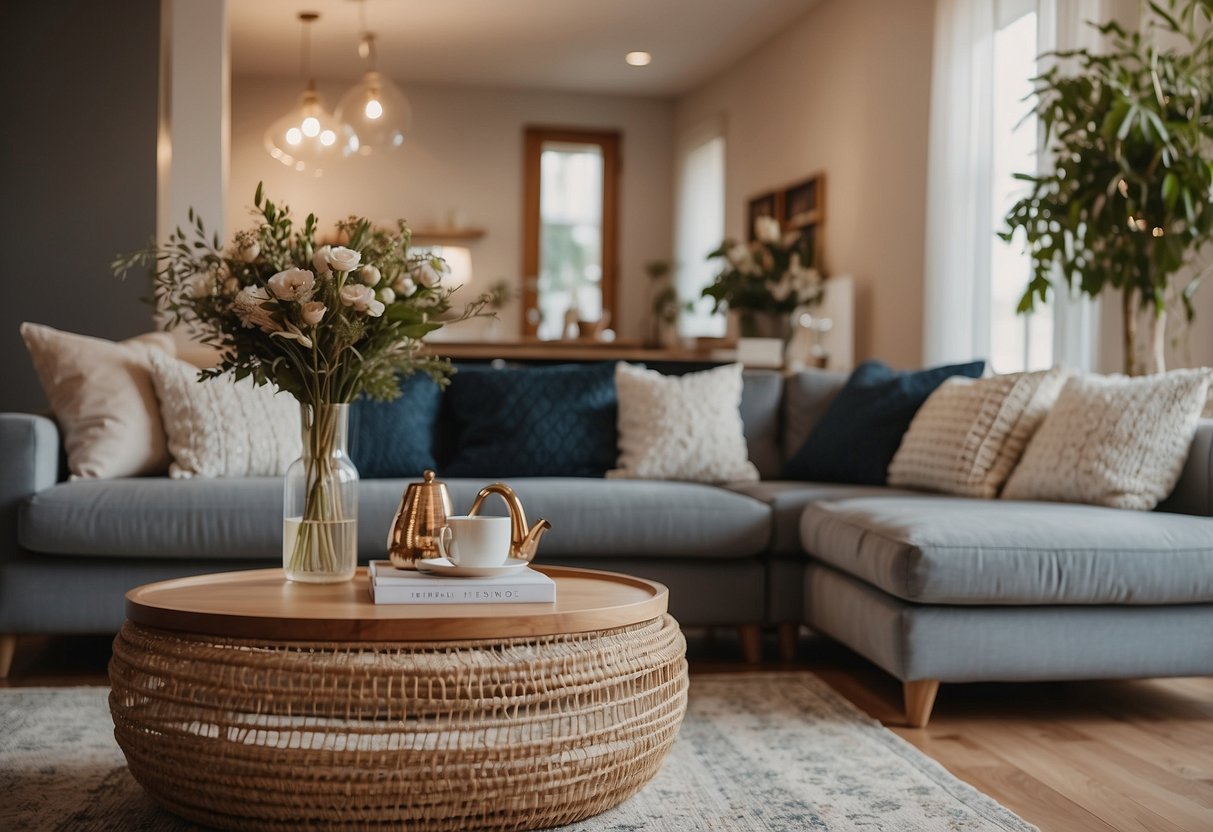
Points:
[(930, 588)]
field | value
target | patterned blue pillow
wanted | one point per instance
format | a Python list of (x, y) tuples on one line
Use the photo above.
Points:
[(533, 421), (396, 438), (861, 430)]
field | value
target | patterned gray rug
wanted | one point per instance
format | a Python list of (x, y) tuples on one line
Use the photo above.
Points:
[(771, 751)]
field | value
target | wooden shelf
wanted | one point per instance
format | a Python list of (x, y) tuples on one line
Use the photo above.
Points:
[(447, 235), (535, 350)]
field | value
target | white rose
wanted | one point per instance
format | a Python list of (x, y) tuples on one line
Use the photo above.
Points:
[(362, 299), (782, 290), (738, 254), (201, 285), (404, 286), (766, 229), (343, 259), (320, 260), (293, 284), (387, 295), (369, 275), (427, 275), (249, 253), (312, 312)]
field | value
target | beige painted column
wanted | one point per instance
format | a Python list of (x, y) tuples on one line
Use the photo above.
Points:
[(192, 147)]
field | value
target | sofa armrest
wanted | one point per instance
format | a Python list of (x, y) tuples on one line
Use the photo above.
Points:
[(1193, 494), (29, 463)]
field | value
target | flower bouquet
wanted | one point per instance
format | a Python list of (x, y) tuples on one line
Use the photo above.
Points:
[(324, 323), (768, 278)]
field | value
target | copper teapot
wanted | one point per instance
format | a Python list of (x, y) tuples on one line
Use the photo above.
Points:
[(423, 510), (524, 539)]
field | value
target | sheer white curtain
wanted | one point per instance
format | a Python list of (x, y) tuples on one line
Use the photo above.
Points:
[(959, 169), (699, 223), (960, 226)]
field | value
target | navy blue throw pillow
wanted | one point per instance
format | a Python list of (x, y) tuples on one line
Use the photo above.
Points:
[(396, 438), (860, 431), (533, 421)]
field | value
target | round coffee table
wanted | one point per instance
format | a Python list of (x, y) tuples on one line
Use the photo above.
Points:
[(244, 701)]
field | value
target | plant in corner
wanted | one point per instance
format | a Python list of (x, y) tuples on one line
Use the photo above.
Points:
[(766, 280), (323, 323), (1130, 199)]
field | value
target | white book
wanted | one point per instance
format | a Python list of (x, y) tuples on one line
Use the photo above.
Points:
[(402, 586)]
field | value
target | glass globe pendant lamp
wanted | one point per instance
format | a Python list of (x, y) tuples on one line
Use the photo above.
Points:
[(306, 138), (374, 113)]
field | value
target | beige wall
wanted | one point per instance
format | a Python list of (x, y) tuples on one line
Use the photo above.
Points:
[(845, 90), (465, 153)]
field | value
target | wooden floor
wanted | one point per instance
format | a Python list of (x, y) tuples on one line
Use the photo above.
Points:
[(1135, 755)]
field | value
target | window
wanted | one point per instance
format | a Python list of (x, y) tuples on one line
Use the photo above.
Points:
[(1017, 342), (569, 250), (700, 227)]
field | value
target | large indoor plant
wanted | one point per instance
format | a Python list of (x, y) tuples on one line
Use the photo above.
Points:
[(324, 323), (1127, 203), (764, 281)]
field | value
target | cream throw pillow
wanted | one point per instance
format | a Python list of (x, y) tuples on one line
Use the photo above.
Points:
[(681, 427), (1113, 441), (102, 397), (224, 428), (967, 437)]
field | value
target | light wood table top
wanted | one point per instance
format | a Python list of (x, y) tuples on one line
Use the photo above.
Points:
[(261, 603)]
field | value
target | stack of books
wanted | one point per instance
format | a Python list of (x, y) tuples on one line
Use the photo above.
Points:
[(390, 585)]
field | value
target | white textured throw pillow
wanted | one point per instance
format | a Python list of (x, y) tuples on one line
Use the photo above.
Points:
[(1113, 441), (681, 427), (101, 394), (967, 437), (224, 428)]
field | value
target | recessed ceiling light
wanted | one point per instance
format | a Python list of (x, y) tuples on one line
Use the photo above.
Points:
[(638, 58)]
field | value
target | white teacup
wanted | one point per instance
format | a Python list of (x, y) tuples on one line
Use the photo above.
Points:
[(475, 540)]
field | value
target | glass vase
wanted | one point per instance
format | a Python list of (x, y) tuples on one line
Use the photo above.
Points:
[(320, 501)]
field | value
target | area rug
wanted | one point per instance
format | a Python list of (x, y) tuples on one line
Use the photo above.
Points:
[(757, 752)]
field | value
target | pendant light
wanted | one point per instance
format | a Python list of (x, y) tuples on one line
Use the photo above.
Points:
[(374, 113), (306, 137)]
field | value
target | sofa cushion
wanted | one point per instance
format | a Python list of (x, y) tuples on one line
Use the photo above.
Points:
[(789, 498), (242, 518), (952, 550), (533, 421), (858, 434), (396, 438), (761, 397)]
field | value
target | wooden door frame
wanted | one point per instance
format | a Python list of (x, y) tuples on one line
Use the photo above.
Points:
[(609, 141)]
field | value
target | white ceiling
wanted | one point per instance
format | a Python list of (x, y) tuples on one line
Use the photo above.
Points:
[(575, 45)]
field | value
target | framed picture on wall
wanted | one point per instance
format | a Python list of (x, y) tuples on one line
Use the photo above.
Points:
[(802, 203), (766, 205)]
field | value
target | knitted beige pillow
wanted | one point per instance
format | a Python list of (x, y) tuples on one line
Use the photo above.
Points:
[(101, 394), (969, 434), (1113, 441), (681, 427), (221, 427)]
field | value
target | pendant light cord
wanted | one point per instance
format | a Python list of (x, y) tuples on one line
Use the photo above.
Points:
[(305, 47)]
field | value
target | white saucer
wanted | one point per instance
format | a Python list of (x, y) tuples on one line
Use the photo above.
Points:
[(442, 566)]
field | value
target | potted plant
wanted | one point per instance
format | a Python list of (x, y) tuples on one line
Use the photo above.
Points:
[(765, 281), (1128, 202)]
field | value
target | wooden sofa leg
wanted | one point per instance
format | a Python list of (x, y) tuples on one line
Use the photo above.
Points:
[(751, 642), (8, 646), (789, 641), (919, 700)]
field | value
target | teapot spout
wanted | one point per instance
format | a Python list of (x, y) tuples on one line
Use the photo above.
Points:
[(529, 544)]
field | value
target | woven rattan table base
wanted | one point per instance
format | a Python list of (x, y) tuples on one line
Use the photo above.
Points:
[(500, 734)]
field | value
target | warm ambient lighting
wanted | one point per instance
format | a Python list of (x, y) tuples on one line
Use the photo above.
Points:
[(638, 58), (374, 113), (306, 136)]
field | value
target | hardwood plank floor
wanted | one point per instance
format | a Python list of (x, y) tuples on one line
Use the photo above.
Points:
[(1118, 755)]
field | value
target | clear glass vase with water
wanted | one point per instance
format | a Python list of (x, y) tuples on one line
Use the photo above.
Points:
[(320, 501)]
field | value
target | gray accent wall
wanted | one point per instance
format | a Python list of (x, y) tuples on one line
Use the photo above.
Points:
[(79, 82)]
